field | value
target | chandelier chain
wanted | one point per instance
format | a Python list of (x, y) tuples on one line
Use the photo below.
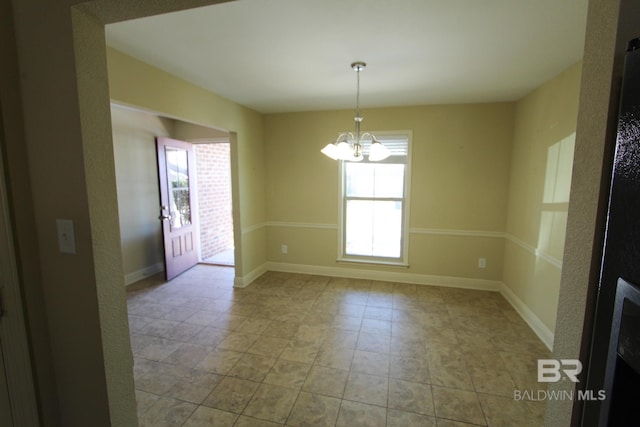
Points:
[(358, 92)]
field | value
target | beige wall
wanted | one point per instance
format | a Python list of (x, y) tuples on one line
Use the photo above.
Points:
[(134, 149), (459, 184), (189, 132), (539, 183)]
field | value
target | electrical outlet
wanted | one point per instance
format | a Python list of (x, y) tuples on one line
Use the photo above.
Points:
[(285, 249), (482, 263)]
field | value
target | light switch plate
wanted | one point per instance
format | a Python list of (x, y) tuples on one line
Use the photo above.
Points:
[(66, 236)]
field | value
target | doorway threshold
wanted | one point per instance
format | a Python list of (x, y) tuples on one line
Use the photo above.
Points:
[(225, 258)]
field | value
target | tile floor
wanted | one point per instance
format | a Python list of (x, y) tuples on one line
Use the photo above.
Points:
[(303, 350)]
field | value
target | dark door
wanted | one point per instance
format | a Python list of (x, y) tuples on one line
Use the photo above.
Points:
[(621, 257), (178, 212)]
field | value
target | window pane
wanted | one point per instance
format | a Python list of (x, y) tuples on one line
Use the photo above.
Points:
[(387, 229), (178, 176), (374, 180), (360, 179), (389, 180), (374, 228)]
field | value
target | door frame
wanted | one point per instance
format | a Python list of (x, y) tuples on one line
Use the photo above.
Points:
[(210, 141), (15, 352), (232, 138)]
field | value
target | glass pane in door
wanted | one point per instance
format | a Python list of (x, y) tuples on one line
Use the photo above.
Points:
[(178, 177)]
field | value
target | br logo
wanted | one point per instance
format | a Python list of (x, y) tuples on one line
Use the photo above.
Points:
[(551, 370)]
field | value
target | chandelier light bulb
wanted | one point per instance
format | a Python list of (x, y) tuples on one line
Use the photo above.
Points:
[(377, 151)]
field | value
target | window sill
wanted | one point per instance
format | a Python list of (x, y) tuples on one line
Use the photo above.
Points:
[(400, 264)]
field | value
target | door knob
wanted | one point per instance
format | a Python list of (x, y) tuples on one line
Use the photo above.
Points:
[(163, 217)]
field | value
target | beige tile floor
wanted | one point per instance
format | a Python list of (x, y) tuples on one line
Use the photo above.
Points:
[(303, 350)]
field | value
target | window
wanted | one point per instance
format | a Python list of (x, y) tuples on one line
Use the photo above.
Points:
[(375, 205)]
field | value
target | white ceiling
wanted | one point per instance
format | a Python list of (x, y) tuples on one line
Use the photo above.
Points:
[(295, 55)]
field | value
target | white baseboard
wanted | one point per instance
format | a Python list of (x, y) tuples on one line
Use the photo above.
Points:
[(389, 276), (534, 322), (244, 281), (143, 273)]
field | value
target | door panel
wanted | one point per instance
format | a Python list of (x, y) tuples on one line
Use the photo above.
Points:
[(178, 210)]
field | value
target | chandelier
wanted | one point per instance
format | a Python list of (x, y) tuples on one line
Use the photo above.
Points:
[(350, 146)]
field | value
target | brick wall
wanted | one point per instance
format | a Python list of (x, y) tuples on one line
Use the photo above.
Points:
[(214, 198)]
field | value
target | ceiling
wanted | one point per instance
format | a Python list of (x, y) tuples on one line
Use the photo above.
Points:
[(295, 55)]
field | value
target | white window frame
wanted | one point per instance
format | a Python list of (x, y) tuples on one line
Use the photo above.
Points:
[(403, 260)]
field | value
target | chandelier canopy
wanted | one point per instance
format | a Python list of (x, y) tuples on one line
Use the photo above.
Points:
[(350, 146)]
